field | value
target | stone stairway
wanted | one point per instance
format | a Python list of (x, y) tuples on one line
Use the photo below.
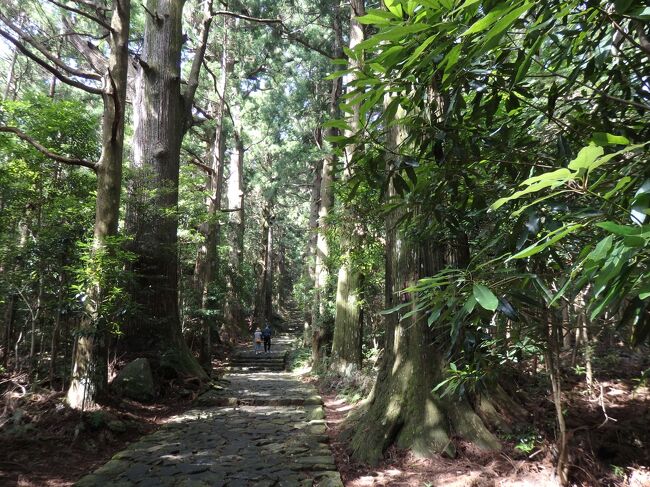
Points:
[(254, 427), (249, 361)]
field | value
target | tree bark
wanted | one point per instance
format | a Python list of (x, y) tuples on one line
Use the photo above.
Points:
[(90, 371), (348, 323), (319, 316), (162, 115), (402, 409), (207, 257), (9, 316), (262, 302), (234, 317), (54, 343), (313, 236), (268, 286)]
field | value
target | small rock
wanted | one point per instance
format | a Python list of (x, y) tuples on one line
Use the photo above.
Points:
[(116, 426), (135, 381)]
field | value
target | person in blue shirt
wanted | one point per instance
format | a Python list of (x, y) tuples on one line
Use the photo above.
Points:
[(266, 335)]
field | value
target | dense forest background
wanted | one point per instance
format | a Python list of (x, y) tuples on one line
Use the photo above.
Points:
[(452, 195)]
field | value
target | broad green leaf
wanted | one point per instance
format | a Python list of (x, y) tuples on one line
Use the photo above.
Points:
[(464, 5), (547, 241), (644, 291), (506, 21), (335, 139), (605, 159), (338, 74), (469, 305), (525, 65), (485, 297), (395, 7), (533, 188), (485, 22), (400, 32), (394, 309), (642, 13), (622, 5), (339, 124), (586, 157), (601, 249), (618, 229), (619, 185), (420, 49), (450, 60), (435, 314), (562, 175), (603, 139), (378, 17)]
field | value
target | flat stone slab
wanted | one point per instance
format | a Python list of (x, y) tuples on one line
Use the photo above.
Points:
[(255, 429)]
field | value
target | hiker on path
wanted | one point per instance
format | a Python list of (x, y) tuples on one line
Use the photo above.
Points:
[(258, 340), (266, 335)]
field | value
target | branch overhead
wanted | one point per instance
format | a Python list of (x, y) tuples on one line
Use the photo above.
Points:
[(42, 149)]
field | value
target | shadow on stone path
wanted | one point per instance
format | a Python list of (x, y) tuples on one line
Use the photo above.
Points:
[(254, 429)]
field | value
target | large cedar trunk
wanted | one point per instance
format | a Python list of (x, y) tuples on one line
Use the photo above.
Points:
[(313, 236), (207, 257), (321, 278), (90, 370), (160, 116), (348, 323), (402, 410)]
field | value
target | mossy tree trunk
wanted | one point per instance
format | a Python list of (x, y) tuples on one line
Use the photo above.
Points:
[(321, 271), (348, 320), (90, 371), (161, 117), (402, 410), (207, 259)]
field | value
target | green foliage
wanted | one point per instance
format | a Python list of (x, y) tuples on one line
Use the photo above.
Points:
[(460, 381), (299, 358), (526, 439), (101, 283), (520, 103)]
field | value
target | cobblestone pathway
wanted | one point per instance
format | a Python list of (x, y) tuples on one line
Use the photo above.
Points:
[(256, 428)]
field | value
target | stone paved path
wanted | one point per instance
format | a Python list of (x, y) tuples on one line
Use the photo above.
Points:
[(253, 429)]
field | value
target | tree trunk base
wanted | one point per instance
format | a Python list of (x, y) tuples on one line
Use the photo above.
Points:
[(412, 418)]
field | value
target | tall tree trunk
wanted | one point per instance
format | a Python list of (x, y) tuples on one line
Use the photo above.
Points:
[(207, 257), (161, 115), (262, 311), (234, 318), (281, 272), (552, 358), (402, 408), (319, 318), (90, 370), (268, 286), (313, 235), (9, 316), (54, 343), (348, 323)]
